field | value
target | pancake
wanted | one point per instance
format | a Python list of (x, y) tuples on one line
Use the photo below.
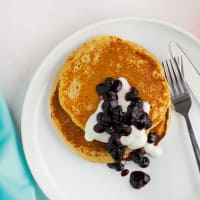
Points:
[(73, 136), (161, 128), (110, 56)]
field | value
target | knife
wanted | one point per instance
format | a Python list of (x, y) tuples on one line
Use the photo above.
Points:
[(190, 71)]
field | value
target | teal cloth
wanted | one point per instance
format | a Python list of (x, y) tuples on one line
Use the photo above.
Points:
[(16, 181)]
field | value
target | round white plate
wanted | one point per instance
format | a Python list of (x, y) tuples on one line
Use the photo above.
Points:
[(62, 174)]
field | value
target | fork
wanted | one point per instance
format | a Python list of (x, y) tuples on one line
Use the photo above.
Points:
[(180, 97)]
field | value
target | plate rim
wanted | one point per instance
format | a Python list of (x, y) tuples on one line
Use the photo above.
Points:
[(54, 50)]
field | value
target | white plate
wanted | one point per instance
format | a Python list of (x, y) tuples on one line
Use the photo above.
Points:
[(64, 175)]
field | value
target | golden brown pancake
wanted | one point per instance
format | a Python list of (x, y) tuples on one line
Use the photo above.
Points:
[(110, 56), (161, 128), (73, 135)]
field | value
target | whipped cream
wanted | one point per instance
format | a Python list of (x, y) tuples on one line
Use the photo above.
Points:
[(121, 94), (152, 150), (136, 139)]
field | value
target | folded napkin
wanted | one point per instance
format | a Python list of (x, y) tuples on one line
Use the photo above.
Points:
[(16, 181)]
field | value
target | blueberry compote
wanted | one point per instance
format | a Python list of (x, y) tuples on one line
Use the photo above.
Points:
[(139, 179), (138, 157), (117, 123)]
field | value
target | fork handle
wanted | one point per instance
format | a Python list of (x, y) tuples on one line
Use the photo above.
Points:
[(193, 140)]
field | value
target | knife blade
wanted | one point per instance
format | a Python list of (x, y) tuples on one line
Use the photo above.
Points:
[(189, 70)]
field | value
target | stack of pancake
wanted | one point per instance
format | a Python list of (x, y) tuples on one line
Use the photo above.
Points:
[(74, 98)]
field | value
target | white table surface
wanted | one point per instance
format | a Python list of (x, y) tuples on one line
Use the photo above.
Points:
[(30, 29)]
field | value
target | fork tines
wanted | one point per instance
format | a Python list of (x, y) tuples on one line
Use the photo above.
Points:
[(174, 75)]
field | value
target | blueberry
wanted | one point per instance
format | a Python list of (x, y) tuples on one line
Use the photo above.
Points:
[(108, 83), (148, 123), (124, 172), (128, 114), (152, 137), (116, 165), (105, 97), (144, 162), (110, 130), (113, 143), (136, 156), (129, 109), (120, 153), (99, 117), (118, 129), (144, 121), (105, 106), (137, 102), (136, 113), (130, 96), (139, 179), (114, 103), (139, 124), (116, 122), (117, 154), (126, 129), (118, 117), (107, 118), (99, 128), (101, 89), (117, 86), (141, 121), (117, 111), (134, 91), (128, 119), (112, 96), (115, 148), (105, 122)]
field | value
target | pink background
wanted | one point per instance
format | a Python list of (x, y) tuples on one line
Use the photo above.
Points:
[(29, 29)]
